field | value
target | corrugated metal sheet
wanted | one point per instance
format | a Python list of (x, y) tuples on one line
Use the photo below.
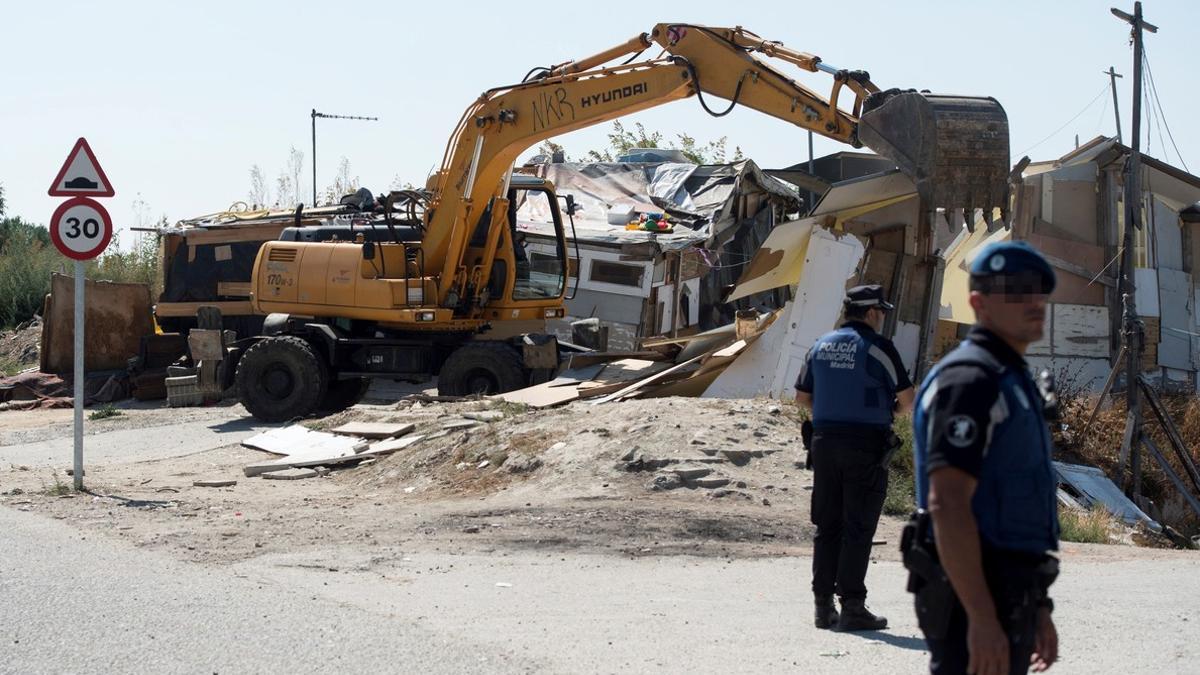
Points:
[(1090, 487)]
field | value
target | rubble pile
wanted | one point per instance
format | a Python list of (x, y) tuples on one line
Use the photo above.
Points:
[(21, 346), (714, 448)]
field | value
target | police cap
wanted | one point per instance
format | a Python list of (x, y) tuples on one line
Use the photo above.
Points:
[(867, 296), (1012, 267)]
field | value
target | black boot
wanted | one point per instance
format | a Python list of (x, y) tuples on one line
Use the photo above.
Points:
[(826, 614), (855, 616)]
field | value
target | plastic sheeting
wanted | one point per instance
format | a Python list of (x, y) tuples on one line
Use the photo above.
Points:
[(697, 197)]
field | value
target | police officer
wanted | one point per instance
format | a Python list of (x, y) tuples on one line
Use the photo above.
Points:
[(852, 381), (984, 474)]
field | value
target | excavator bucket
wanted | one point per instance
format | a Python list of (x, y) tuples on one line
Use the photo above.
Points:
[(954, 147)]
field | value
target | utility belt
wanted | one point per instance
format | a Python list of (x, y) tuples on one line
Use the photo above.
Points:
[(856, 436), (1019, 582)]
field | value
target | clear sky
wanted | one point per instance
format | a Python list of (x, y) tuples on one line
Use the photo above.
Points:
[(179, 100)]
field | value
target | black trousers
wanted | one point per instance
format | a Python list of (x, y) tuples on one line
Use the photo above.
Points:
[(1015, 592), (849, 486)]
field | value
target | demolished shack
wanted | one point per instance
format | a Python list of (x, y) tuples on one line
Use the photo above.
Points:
[(641, 281), (1072, 209)]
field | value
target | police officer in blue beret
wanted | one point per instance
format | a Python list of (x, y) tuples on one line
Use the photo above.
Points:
[(853, 381), (979, 560)]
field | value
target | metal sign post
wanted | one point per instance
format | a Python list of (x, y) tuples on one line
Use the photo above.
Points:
[(78, 362), (81, 229)]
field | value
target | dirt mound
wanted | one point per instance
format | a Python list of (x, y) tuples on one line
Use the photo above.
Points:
[(710, 447), (20, 347)]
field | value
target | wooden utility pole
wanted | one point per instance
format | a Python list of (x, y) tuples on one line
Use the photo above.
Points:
[(1112, 78), (1133, 330)]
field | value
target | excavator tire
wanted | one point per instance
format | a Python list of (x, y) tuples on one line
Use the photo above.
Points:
[(341, 394), (281, 378), (481, 368)]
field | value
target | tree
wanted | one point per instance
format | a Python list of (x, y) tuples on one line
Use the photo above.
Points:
[(290, 179), (343, 183), (1, 200), (259, 192), (622, 140)]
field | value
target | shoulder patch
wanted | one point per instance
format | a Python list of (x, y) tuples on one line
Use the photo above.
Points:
[(961, 431)]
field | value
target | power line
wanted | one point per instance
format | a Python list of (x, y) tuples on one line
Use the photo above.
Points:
[(1161, 115), (1100, 120), (1103, 91)]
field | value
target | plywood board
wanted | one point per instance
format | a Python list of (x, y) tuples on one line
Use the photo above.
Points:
[(1080, 330), (391, 445), (541, 395), (1074, 203), (954, 305), (770, 365), (779, 261), (626, 391), (628, 370), (1146, 295), (907, 341), (297, 440), (116, 317), (1086, 373), (1073, 288), (861, 191), (1175, 341), (374, 429), (1168, 237)]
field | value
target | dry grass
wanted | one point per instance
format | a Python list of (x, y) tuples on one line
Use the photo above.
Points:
[(1089, 527), (1100, 446)]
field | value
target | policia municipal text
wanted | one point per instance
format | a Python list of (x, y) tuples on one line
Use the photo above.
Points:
[(979, 557), (852, 380)]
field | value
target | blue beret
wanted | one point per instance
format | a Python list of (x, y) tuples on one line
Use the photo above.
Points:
[(1011, 259)]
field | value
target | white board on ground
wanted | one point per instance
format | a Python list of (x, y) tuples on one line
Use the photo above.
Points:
[(769, 366), (297, 440), (374, 429)]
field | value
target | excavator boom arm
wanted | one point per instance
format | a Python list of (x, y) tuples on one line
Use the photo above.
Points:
[(703, 61)]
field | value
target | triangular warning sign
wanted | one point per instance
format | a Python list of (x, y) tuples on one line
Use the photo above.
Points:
[(81, 175)]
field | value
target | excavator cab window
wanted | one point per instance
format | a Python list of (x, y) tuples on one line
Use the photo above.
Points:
[(540, 276)]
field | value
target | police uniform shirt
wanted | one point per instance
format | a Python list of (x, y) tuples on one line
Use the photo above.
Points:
[(963, 418), (853, 374), (960, 413)]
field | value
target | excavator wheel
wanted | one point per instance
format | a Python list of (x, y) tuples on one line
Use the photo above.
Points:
[(342, 394), (281, 378), (481, 368)]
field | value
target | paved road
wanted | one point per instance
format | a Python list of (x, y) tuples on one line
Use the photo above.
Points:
[(133, 445), (74, 604)]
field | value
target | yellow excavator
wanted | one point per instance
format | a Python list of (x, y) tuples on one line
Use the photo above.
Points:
[(440, 284)]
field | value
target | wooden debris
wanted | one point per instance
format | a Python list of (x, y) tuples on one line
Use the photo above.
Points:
[(290, 474), (391, 445), (374, 429), (215, 483)]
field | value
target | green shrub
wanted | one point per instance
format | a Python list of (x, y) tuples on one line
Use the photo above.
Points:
[(27, 259)]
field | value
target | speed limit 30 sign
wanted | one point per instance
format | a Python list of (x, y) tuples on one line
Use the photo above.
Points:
[(81, 228)]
